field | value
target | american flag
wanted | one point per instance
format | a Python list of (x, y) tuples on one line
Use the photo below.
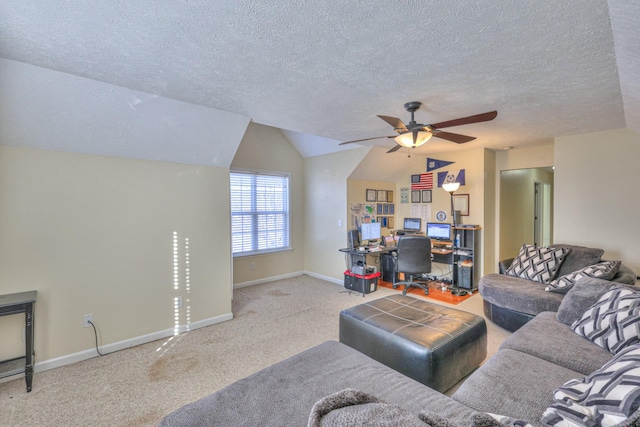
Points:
[(424, 181)]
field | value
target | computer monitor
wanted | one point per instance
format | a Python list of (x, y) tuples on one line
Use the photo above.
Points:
[(370, 231), (412, 224), (439, 231)]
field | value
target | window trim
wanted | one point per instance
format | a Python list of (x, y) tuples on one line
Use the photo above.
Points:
[(287, 248)]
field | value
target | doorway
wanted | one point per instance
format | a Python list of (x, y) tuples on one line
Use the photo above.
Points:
[(520, 207), (542, 214)]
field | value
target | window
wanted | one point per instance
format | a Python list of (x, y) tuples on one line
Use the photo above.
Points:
[(259, 212)]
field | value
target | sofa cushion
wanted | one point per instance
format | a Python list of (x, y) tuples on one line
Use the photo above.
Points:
[(607, 397), (578, 257), (538, 264), (586, 292), (521, 295), (513, 384), (604, 270), (353, 407), (613, 322), (546, 338)]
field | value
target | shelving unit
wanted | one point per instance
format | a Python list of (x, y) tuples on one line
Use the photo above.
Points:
[(466, 253)]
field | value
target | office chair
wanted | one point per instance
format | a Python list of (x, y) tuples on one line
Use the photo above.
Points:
[(414, 259)]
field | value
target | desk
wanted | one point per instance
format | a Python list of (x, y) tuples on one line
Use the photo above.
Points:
[(362, 255), (21, 302)]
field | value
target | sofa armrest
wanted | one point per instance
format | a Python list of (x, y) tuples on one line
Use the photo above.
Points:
[(504, 264)]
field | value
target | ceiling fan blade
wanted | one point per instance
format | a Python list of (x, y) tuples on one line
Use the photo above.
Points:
[(365, 139), (484, 117), (454, 137), (395, 122), (394, 149)]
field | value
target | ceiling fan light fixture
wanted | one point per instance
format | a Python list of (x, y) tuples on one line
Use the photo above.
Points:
[(406, 139)]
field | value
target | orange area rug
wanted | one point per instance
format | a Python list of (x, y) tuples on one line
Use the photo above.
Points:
[(435, 292)]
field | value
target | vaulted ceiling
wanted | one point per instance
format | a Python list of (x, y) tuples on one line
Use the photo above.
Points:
[(322, 70)]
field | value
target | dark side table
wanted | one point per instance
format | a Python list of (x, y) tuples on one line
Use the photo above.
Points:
[(21, 302)]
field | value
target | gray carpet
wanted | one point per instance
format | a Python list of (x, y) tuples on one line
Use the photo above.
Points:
[(138, 386)]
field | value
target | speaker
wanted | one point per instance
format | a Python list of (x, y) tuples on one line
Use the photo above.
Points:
[(457, 218)]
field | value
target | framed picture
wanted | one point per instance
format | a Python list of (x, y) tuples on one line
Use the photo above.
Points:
[(392, 209), (404, 195), (390, 222), (385, 211), (382, 195), (415, 196), (389, 196), (371, 195), (383, 221), (461, 203), (426, 196), (379, 209)]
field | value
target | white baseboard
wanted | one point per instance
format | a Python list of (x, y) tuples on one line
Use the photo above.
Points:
[(109, 348), (326, 278), (267, 279)]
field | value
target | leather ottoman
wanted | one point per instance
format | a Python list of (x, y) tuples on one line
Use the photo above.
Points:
[(433, 344)]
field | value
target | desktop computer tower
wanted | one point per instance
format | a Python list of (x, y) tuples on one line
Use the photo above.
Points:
[(464, 277), (388, 267)]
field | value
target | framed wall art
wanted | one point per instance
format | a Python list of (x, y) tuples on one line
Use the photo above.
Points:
[(389, 196), (382, 196), (415, 196), (426, 196), (461, 203), (371, 195)]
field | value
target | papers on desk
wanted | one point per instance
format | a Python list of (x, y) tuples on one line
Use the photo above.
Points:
[(375, 249)]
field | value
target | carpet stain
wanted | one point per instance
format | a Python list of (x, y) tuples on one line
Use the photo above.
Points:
[(149, 418), (171, 366), (278, 293)]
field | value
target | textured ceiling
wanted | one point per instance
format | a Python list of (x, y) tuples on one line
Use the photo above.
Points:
[(322, 70)]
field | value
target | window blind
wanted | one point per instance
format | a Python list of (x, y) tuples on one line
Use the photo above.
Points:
[(259, 212)]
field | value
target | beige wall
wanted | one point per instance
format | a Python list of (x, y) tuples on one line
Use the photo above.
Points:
[(597, 197), (266, 148), (94, 235), (326, 221), (490, 224)]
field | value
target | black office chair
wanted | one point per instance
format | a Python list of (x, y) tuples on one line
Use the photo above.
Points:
[(414, 259)]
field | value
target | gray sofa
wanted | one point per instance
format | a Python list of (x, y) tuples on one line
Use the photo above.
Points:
[(517, 382), (511, 301)]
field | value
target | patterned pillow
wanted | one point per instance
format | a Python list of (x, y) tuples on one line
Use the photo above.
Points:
[(538, 264), (613, 322), (607, 397), (603, 270)]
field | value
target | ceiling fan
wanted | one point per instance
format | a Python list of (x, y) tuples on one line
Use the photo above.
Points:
[(415, 134)]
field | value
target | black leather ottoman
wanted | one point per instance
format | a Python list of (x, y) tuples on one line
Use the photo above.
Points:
[(433, 344)]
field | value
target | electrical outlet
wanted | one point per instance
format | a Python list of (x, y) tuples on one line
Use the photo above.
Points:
[(252, 266), (86, 319)]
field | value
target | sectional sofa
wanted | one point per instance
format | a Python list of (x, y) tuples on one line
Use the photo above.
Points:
[(511, 300), (332, 384)]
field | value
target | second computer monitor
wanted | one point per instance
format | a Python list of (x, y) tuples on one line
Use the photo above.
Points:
[(439, 231), (412, 224), (370, 231)]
